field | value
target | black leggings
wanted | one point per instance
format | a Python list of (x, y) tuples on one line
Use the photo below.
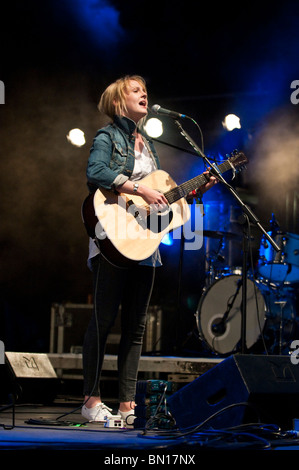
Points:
[(131, 288)]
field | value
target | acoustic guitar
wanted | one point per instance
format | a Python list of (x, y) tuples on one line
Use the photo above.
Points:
[(127, 229)]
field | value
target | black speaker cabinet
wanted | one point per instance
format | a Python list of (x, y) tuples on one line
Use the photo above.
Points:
[(30, 377), (240, 389)]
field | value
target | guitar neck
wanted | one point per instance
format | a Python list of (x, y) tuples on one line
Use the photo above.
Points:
[(184, 189)]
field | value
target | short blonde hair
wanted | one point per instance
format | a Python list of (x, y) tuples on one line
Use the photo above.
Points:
[(113, 100)]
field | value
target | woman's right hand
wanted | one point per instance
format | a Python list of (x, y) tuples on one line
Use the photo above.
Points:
[(154, 198)]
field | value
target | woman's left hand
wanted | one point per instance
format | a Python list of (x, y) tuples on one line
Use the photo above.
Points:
[(209, 184), (205, 187)]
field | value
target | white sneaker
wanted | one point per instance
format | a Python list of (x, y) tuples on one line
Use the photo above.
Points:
[(127, 416), (99, 412)]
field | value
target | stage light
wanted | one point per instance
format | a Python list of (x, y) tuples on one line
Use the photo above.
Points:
[(76, 137), (100, 20), (231, 122), (167, 240), (154, 127)]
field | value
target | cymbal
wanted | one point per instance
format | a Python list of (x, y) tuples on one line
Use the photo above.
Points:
[(219, 234)]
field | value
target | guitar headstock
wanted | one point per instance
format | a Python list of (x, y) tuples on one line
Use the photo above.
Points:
[(238, 159)]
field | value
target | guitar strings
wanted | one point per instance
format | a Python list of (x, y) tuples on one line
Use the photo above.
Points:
[(178, 192), (182, 190)]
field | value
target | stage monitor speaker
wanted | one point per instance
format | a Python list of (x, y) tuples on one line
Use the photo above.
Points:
[(30, 377), (240, 389)]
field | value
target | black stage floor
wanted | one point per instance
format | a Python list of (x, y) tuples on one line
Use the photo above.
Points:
[(183, 434), (60, 426)]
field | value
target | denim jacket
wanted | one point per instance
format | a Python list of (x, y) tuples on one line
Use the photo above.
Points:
[(111, 160), (111, 163)]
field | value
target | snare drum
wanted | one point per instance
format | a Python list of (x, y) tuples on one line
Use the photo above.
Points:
[(284, 265), (224, 337)]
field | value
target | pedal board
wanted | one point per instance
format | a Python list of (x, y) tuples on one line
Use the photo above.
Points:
[(151, 404)]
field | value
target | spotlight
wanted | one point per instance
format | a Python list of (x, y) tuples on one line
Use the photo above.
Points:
[(154, 127), (167, 240), (76, 137), (231, 122)]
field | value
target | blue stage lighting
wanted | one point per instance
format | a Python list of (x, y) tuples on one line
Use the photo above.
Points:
[(167, 239), (100, 20)]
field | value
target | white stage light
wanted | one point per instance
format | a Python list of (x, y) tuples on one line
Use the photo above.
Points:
[(231, 122), (76, 137), (154, 127)]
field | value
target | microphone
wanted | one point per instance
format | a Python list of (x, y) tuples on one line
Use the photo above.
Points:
[(166, 112), (219, 327)]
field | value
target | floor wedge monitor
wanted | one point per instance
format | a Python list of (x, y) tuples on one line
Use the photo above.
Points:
[(243, 388), (29, 377)]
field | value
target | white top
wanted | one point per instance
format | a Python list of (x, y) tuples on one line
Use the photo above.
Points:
[(144, 164)]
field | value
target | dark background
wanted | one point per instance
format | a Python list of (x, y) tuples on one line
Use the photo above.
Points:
[(203, 59)]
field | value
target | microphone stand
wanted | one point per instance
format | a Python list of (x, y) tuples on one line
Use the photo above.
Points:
[(220, 327), (6, 407), (248, 216)]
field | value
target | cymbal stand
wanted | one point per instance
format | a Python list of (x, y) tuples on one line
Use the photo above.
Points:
[(212, 272), (248, 216), (281, 304)]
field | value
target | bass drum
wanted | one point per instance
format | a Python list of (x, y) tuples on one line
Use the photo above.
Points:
[(225, 295)]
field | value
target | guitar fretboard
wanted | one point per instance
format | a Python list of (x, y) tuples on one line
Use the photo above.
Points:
[(184, 189)]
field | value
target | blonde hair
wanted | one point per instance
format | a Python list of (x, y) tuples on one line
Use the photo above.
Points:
[(113, 99)]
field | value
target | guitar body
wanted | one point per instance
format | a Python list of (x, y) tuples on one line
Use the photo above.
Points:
[(125, 226)]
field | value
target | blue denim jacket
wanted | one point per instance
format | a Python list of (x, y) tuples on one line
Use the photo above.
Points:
[(111, 163), (111, 159)]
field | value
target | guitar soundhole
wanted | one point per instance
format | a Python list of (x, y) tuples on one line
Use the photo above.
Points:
[(159, 221), (154, 221)]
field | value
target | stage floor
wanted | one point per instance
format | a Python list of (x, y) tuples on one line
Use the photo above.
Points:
[(60, 426)]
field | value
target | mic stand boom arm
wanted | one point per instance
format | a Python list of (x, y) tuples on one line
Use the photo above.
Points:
[(248, 216)]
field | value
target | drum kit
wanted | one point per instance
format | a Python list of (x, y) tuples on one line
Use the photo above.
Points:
[(272, 286)]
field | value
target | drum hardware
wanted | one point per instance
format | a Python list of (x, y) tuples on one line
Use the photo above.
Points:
[(282, 304), (221, 332), (281, 318), (219, 326), (245, 220), (221, 235), (282, 267), (271, 321), (215, 263)]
